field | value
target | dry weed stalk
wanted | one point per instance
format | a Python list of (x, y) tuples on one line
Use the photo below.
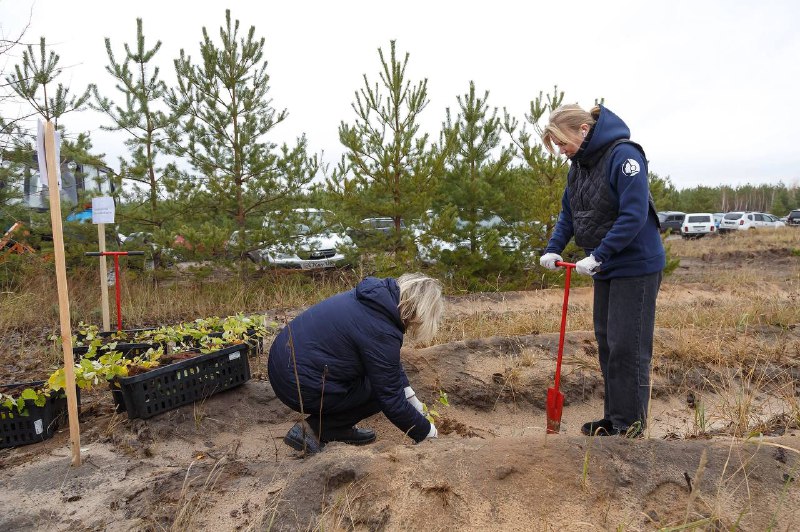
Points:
[(343, 514), (191, 505)]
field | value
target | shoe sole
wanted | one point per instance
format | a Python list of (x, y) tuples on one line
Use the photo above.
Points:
[(354, 442)]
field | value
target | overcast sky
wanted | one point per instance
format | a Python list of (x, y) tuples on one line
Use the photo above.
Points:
[(709, 88)]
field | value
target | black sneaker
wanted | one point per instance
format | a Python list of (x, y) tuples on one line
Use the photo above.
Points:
[(601, 427), (301, 438), (352, 435)]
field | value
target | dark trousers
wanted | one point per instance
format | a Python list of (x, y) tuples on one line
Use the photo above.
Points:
[(624, 320), (339, 410)]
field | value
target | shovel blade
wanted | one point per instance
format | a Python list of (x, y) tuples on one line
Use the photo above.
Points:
[(555, 403)]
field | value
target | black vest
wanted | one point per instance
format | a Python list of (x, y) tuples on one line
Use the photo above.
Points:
[(594, 208)]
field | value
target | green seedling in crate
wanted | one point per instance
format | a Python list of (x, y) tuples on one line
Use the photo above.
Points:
[(14, 402)]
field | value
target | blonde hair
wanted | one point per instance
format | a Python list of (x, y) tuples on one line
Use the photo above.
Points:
[(567, 118), (421, 305)]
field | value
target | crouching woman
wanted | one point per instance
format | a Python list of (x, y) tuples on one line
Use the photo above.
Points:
[(339, 361)]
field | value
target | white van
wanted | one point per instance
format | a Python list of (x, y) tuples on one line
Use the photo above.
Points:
[(698, 224)]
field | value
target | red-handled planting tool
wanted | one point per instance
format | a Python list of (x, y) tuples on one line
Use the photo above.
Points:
[(555, 399), (116, 255)]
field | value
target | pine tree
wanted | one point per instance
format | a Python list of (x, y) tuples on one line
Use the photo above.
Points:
[(227, 116), (541, 180), (473, 192), (33, 82), (144, 122), (32, 76), (389, 169), (664, 193)]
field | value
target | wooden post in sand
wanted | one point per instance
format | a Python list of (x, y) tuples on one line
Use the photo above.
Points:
[(101, 238), (63, 296)]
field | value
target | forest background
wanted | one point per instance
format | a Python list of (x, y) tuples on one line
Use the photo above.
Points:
[(202, 163)]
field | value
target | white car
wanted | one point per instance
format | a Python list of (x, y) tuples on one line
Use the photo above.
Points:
[(428, 248), (739, 220), (313, 241), (774, 221), (698, 224)]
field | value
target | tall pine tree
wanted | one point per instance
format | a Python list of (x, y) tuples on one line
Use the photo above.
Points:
[(473, 211), (542, 177), (389, 167), (227, 117), (33, 75), (144, 119)]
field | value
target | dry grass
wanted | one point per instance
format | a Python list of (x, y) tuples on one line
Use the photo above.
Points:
[(755, 241), (33, 304), (193, 500)]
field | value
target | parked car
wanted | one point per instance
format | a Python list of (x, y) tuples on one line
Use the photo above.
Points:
[(372, 232), (698, 224), (740, 220), (428, 247), (671, 220), (146, 241), (313, 240), (774, 220), (793, 218)]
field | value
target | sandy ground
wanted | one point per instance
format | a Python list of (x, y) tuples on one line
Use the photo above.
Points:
[(221, 464)]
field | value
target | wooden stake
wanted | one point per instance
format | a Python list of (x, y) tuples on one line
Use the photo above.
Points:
[(63, 295), (101, 238)]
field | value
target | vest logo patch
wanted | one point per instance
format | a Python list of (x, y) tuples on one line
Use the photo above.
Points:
[(630, 167)]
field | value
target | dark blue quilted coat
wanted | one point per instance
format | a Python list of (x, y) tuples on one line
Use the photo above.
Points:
[(357, 335)]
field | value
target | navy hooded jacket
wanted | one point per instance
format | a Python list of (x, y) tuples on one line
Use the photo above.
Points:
[(632, 246), (357, 335)]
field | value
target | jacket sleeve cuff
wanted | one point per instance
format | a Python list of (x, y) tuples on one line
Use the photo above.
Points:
[(420, 431)]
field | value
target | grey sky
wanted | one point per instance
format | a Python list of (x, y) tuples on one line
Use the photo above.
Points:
[(707, 87)]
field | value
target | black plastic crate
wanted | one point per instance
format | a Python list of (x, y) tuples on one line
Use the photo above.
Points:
[(181, 383), (41, 422)]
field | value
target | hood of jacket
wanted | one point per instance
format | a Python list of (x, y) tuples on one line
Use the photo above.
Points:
[(381, 295), (609, 128)]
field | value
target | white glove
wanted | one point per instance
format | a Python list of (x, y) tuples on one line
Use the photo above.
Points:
[(433, 433), (548, 260), (412, 398), (587, 266)]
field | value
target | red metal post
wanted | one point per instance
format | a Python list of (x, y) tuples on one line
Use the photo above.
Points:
[(117, 289)]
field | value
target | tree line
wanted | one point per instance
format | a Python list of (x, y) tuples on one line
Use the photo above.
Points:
[(202, 162)]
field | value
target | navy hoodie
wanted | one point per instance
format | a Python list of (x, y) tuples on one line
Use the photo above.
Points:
[(632, 246), (357, 334)]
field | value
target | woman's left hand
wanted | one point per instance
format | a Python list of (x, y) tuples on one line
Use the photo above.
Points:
[(587, 266)]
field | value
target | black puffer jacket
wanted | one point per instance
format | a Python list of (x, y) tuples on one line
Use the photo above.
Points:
[(357, 334)]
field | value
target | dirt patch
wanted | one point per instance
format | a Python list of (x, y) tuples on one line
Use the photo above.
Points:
[(221, 463)]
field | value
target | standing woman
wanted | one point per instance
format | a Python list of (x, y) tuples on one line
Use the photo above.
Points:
[(608, 209), (339, 361)]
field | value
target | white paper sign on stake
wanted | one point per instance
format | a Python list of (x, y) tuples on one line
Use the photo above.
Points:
[(103, 210), (40, 155)]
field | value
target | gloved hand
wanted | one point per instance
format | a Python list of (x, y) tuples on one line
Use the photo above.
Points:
[(433, 433), (411, 397), (587, 266), (548, 260)]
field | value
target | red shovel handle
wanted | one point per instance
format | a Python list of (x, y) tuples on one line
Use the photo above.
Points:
[(555, 399), (569, 266)]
